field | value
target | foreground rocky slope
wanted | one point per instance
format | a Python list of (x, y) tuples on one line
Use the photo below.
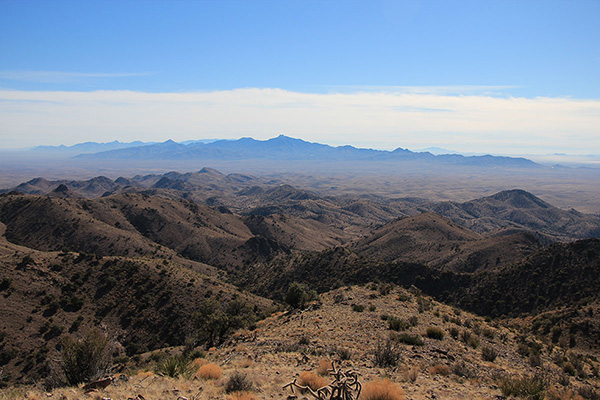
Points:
[(435, 351)]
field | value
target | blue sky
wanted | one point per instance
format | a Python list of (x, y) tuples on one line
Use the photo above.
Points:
[(327, 61)]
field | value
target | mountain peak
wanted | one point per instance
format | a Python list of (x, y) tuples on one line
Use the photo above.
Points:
[(520, 198)]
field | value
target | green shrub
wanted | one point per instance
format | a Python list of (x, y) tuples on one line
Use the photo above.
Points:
[(86, 358), (299, 294), (174, 366), (531, 387), (435, 333), (405, 338), (397, 324), (358, 307)]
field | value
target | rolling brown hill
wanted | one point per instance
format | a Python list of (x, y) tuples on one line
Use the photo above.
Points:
[(518, 208), (138, 224), (431, 239)]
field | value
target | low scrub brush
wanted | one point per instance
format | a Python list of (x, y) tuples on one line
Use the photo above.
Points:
[(209, 371), (382, 389), (312, 380)]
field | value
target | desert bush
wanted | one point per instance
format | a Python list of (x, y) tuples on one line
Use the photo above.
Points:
[(386, 355), (405, 338), (488, 353), (372, 308), (462, 369), (214, 321), (86, 358), (413, 320), (299, 294), (209, 371), (304, 340), (434, 332), (174, 366), (533, 387), (324, 367), (454, 332), (535, 360), (382, 389), (343, 353), (238, 382), (397, 324), (358, 307), (402, 297), (569, 369), (312, 380), (470, 339), (488, 333), (440, 369), (386, 288)]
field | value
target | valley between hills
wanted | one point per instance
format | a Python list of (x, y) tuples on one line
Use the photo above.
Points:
[(492, 297)]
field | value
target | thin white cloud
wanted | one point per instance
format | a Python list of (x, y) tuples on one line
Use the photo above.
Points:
[(477, 123), (62, 76), (441, 90)]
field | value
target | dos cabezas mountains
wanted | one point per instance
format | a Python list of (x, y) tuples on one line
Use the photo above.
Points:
[(282, 148), (141, 255)]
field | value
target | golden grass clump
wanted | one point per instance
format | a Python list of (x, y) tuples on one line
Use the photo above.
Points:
[(198, 362), (324, 367), (209, 371), (241, 396), (440, 369), (144, 374), (312, 380), (382, 389)]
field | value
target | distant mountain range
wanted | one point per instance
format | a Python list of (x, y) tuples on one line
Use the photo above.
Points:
[(95, 147), (90, 147), (287, 148)]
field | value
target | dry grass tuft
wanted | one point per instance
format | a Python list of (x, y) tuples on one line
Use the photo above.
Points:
[(440, 369), (241, 396), (382, 389), (144, 374), (324, 366), (209, 371), (312, 380)]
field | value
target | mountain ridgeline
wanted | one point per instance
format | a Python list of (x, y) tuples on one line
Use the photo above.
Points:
[(287, 148)]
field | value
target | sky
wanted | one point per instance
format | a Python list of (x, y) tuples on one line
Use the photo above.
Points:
[(503, 77)]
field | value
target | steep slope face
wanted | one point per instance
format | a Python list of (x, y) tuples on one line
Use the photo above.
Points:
[(431, 239), (562, 274), (296, 233), (518, 208), (142, 303)]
